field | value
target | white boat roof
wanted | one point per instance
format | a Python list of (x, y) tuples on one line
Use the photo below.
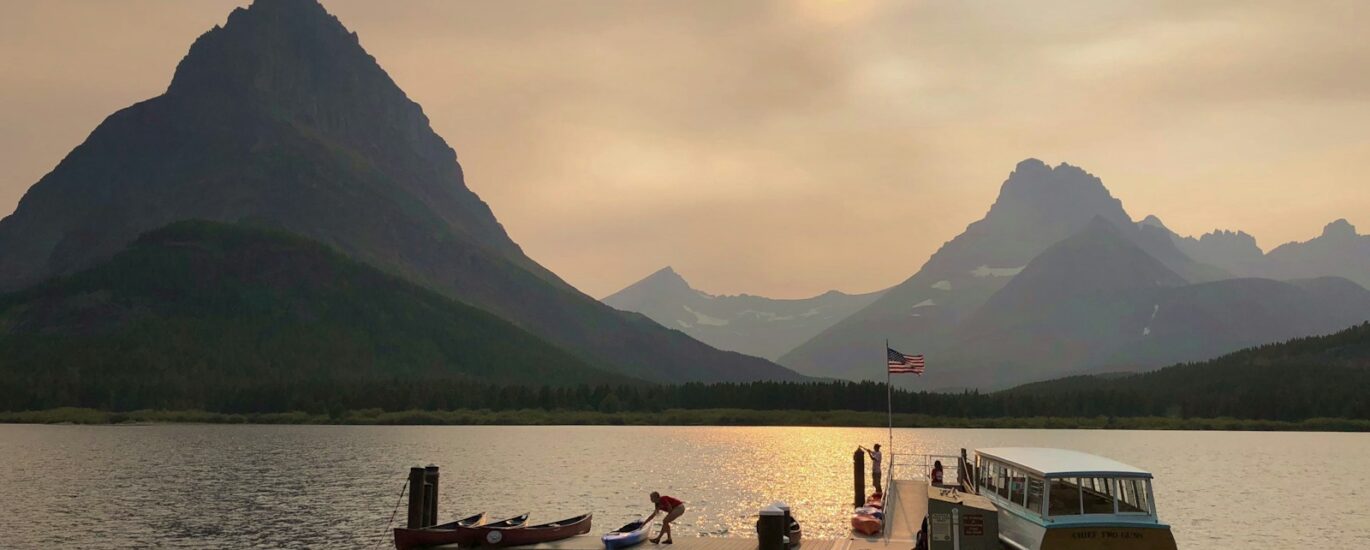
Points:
[(1061, 462)]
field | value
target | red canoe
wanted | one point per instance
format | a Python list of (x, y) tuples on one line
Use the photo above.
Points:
[(547, 532), (466, 532)]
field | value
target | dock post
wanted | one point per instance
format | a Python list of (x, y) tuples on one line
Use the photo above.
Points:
[(431, 475), (859, 477), (964, 471), (770, 529), (416, 483)]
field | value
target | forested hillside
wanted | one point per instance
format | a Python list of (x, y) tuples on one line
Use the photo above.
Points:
[(226, 317)]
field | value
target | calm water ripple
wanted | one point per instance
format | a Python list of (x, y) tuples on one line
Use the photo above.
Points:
[(191, 486)]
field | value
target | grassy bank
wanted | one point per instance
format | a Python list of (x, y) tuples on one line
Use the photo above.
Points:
[(674, 417)]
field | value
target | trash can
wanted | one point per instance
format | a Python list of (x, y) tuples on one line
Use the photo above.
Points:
[(770, 529)]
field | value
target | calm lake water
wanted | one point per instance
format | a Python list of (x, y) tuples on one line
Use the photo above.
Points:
[(335, 486)]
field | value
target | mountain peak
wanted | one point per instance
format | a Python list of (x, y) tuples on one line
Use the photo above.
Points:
[(667, 275), (1153, 221), (276, 46), (1339, 229), (1029, 165)]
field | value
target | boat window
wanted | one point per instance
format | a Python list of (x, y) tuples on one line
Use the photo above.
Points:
[(1064, 497), (987, 476), (1034, 494), (1132, 496), (1001, 476), (1016, 485), (1097, 495)]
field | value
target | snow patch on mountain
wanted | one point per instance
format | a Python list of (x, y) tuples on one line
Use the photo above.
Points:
[(766, 315), (702, 319), (987, 271)]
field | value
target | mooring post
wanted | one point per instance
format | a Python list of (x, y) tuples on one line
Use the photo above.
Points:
[(427, 503), (431, 473), (416, 483), (965, 470), (770, 529), (859, 476)]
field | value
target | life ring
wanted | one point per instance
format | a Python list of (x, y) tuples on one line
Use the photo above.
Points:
[(493, 537)]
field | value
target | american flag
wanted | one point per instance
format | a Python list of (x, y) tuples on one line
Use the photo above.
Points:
[(901, 364)]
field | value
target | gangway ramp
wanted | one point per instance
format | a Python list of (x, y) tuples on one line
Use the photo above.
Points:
[(905, 508)]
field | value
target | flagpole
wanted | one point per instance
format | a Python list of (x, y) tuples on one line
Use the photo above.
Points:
[(889, 397)]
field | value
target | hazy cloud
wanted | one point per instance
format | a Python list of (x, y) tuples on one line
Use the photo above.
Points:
[(789, 147)]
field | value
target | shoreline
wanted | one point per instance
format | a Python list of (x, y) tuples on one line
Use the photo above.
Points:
[(672, 417)]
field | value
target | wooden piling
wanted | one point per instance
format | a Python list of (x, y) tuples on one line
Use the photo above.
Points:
[(416, 509), (770, 529), (859, 478), (431, 475)]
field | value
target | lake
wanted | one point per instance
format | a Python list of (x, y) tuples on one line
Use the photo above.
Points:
[(336, 486)]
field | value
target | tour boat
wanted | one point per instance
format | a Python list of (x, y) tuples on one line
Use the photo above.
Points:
[(547, 532), (465, 532), (1054, 499), (628, 535)]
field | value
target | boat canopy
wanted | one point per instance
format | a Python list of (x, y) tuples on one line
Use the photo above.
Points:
[(1047, 462)]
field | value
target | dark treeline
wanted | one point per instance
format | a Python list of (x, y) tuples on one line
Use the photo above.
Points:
[(1318, 377), (334, 398)]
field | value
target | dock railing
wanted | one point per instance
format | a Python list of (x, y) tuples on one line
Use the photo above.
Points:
[(916, 466), (910, 466)]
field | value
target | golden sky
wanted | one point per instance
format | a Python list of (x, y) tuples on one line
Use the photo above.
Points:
[(787, 148)]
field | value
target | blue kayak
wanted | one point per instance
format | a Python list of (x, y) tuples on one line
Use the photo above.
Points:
[(628, 535)]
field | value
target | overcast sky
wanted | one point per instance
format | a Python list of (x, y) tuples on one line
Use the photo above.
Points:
[(788, 148)]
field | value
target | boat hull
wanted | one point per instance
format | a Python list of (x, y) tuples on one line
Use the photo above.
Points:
[(462, 533), (547, 532), (1108, 538), (632, 534)]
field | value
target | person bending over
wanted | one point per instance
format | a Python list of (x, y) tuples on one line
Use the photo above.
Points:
[(673, 508)]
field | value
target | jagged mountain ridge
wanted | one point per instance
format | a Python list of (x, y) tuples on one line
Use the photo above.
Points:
[(1097, 302), (1339, 251), (1037, 206), (280, 118), (754, 325)]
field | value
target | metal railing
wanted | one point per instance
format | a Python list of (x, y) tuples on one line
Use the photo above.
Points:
[(916, 466)]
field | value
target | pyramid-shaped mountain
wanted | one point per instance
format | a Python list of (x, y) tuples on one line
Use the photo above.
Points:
[(280, 118), (1075, 303), (754, 325), (1038, 206)]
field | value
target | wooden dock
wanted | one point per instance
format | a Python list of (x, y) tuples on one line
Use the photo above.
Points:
[(904, 513), (592, 542)]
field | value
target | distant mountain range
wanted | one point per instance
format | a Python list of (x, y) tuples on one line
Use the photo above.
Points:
[(1057, 279), (1037, 207), (753, 325), (281, 119), (202, 314), (1096, 301), (1339, 251)]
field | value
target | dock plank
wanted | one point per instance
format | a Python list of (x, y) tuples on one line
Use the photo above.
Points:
[(592, 542)]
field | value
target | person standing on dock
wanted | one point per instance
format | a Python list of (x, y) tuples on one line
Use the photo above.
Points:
[(875, 466), (673, 507)]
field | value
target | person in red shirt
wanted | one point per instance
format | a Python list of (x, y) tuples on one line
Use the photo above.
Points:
[(673, 507)]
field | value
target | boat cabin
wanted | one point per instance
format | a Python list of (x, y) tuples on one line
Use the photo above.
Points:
[(1039, 490)]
